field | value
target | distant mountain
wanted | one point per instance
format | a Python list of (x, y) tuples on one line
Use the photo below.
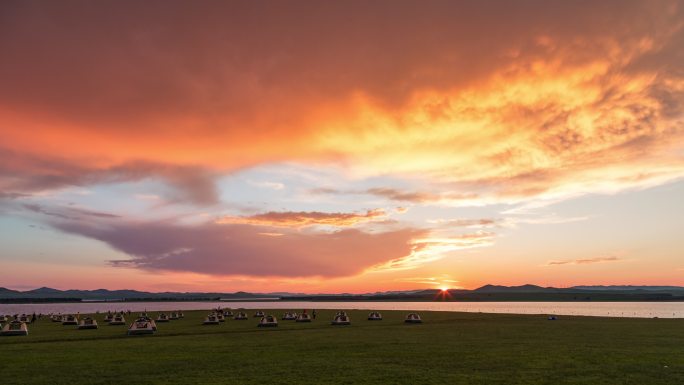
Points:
[(513, 289), (7, 293), (44, 291), (575, 289), (484, 293), (629, 287), (104, 294)]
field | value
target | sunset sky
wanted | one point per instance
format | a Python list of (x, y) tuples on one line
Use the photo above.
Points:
[(350, 146)]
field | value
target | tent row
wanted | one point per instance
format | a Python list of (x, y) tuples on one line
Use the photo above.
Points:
[(341, 318), (146, 325)]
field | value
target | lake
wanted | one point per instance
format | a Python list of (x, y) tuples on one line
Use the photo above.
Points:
[(603, 309)]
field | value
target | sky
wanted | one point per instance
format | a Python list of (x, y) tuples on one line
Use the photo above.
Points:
[(326, 147)]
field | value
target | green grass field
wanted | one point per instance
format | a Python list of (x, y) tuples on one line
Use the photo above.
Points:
[(448, 348)]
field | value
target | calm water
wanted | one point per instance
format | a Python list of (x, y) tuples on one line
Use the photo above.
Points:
[(604, 309)]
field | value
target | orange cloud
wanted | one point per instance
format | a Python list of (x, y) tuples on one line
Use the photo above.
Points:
[(302, 219), (556, 105)]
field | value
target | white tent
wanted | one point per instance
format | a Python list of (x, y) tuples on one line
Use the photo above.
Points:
[(14, 328), (268, 321), (375, 316), (288, 316), (341, 319), (87, 323), (141, 326)]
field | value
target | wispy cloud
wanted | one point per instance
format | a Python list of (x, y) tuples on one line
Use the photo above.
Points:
[(549, 220), (302, 219), (585, 261), (442, 280), (397, 195), (402, 196), (430, 248), (267, 184), (69, 213), (472, 223), (147, 197), (12, 195)]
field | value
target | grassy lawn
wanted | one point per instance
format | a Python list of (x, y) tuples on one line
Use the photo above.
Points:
[(449, 348)]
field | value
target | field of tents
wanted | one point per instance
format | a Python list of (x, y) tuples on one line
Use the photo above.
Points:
[(446, 347)]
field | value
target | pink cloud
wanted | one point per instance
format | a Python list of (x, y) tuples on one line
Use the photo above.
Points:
[(23, 174), (238, 249)]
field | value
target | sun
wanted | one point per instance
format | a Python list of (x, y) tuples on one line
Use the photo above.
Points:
[(443, 294)]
